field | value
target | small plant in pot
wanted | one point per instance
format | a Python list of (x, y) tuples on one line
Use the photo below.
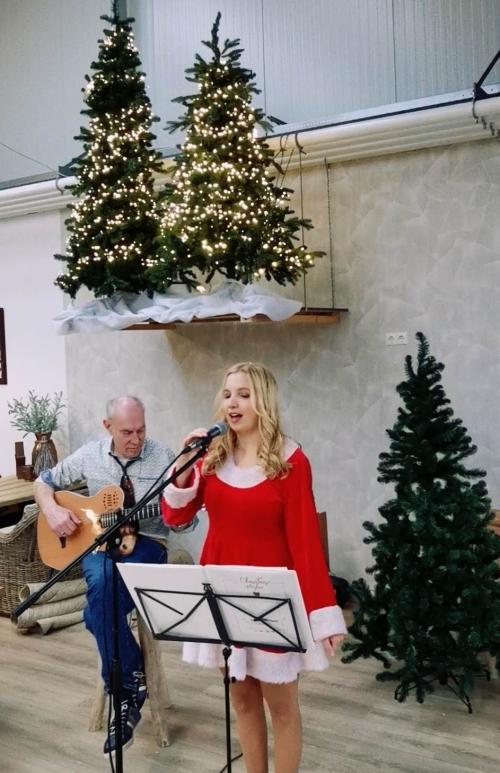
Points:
[(38, 414)]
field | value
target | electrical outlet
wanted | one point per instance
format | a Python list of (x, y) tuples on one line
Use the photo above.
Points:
[(396, 339)]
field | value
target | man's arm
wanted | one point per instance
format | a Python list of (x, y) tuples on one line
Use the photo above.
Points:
[(62, 521)]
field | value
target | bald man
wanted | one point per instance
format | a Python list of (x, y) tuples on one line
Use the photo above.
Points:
[(133, 461)]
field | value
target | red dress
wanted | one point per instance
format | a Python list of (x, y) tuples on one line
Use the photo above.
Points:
[(258, 521)]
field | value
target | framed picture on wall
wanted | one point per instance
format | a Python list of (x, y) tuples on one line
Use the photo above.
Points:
[(3, 357)]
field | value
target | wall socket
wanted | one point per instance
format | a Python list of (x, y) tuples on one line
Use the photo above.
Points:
[(396, 339)]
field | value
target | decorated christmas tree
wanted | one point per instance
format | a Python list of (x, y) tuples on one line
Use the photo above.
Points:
[(113, 227), (435, 602), (224, 213)]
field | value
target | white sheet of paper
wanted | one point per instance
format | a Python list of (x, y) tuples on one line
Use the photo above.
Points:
[(184, 586), (249, 598), (255, 585)]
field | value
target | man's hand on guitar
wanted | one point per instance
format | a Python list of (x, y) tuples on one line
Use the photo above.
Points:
[(70, 524), (61, 520)]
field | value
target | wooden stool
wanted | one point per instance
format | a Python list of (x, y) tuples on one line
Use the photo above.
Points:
[(159, 699)]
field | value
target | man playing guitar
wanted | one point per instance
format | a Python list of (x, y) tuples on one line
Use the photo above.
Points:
[(132, 461)]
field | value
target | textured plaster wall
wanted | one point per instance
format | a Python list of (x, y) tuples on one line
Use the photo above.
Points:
[(416, 241), (35, 354)]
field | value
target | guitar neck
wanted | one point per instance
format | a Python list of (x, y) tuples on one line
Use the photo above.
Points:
[(149, 511)]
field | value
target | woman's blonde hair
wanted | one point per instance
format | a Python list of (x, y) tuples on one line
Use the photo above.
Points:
[(264, 399)]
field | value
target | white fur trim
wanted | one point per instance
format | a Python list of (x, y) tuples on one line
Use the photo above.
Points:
[(180, 497), (273, 667), (326, 622), (247, 477), (240, 477)]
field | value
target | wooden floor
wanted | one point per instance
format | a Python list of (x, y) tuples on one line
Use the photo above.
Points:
[(351, 722)]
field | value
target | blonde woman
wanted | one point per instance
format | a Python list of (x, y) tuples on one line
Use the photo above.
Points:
[(256, 486)]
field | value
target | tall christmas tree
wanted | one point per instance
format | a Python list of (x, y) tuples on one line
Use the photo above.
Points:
[(114, 225), (435, 603), (225, 212)]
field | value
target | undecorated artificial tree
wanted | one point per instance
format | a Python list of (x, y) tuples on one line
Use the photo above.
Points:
[(435, 602), (225, 213), (113, 227)]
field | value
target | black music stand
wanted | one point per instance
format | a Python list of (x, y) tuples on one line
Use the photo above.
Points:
[(233, 605)]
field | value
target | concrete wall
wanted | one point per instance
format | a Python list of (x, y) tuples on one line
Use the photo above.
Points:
[(45, 50), (313, 60)]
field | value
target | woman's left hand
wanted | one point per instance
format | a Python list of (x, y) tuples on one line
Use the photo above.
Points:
[(332, 642)]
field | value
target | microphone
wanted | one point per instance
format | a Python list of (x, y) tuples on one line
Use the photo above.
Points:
[(219, 428)]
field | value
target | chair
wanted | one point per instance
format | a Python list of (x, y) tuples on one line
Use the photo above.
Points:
[(494, 524), (20, 561), (323, 529), (159, 699)]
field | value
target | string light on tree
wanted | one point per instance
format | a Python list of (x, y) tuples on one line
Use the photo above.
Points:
[(113, 226), (223, 211)]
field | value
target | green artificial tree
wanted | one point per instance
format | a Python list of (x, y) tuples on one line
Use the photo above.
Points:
[(113, 227), (224, 211), (435, 603)]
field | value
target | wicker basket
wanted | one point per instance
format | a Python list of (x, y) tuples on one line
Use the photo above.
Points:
[(20, 560)]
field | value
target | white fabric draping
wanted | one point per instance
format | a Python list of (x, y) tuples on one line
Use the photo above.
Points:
[(124, 309)]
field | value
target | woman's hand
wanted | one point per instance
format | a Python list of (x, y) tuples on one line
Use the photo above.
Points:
[(331, 643), (194, 435)]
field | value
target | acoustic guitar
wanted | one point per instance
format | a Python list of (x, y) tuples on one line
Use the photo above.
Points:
[(95, 514)]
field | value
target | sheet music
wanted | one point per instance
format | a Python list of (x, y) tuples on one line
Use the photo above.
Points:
[(259, 605), (260, 589), (168, 596)]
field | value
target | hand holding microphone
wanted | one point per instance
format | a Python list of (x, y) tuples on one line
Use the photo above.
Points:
[(202, 437), (197, 438)]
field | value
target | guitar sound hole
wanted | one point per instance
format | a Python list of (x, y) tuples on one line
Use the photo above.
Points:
[(111, 502)]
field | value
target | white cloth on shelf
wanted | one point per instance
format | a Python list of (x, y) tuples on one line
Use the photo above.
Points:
[(124, 309)]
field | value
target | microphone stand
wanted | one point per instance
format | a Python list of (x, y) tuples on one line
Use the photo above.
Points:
[(111, 537)]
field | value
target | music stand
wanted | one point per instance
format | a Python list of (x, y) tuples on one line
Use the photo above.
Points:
[(243, 606)]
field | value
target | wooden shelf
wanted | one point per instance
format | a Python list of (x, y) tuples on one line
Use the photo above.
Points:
[(311, 315)]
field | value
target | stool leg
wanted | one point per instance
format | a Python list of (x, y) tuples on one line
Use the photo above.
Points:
[(159, 699), (96, 718)]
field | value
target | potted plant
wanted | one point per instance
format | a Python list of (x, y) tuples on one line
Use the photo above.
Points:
[(38, 414)]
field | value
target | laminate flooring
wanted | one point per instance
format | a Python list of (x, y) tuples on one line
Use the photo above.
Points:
[(352, 724)]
